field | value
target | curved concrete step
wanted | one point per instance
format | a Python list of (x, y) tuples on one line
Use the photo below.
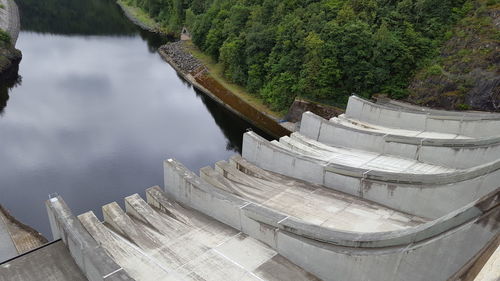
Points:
[(475, 125), (259, 260), (441, 247), (411, 192), (438, 149), (312, 203), (360, 158)]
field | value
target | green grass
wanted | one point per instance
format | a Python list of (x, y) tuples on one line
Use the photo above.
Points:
[(143, 17), (4, 37), (216, 71)]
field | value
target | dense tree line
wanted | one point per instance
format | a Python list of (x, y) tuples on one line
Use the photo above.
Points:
[(81, 17), (318, 49)]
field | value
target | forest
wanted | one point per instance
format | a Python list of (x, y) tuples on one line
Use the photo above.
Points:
[(322, 50)]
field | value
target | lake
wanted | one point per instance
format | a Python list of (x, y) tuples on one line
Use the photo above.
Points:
[(95, 112)]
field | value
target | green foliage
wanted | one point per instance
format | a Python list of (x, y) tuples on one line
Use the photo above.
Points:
[(317, 49), (4, 37), (434, 70)]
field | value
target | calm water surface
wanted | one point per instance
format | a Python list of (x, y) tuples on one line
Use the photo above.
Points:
[(96, 111)]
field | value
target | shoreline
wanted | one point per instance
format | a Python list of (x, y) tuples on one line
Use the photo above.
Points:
[(211, 87), (24, 238), (198, 76), (10, 23), (132, 14)]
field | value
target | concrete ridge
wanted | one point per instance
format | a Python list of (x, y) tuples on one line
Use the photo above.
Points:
[(474, 211), (472, 125), (437, 113), (456, 153), (479, 142), (411, 193), (411, 107), (90, 257), (423, 179), (327, 253)]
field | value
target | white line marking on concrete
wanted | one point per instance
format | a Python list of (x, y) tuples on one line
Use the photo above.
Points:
[(107, 275), (283, 219), (237, 264)]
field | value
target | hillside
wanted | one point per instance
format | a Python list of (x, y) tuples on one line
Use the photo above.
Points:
[(466, 75), (322, 50)]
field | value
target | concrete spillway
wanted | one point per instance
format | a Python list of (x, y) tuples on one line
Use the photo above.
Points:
[(441, 246), (311, 203), (312, 206), (161, 240)]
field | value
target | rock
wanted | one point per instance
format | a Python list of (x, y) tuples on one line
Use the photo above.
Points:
[(181, 58)]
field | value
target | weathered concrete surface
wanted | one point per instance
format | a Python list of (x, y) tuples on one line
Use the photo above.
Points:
[(439, 149), (50, 263), (431, 252), (90, 257), (7, 248), (476, 125), (313, 204), (416, 193), (9, 19), (359, 158), (180, 244)]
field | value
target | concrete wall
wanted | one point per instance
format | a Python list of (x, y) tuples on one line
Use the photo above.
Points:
[(9, 19), (430, 196), (416, 108), (433, 251), (91, 258), (468, 125), (455, 153)]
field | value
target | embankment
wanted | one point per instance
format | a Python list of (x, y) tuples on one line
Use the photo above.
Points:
[(9, 31), (193, 71), (139, 18)]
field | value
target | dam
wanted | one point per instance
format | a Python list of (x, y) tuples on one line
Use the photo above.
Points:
[(387, 191)]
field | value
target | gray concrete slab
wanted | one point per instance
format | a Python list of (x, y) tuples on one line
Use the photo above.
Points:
[(311, 203), (359, 158), (181, 244), (50, 263), (7, 248)]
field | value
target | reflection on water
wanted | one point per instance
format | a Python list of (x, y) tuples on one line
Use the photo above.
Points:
[(95, 116), (74, 17), (8, 80)]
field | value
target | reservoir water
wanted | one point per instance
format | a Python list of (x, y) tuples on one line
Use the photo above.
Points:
[(95, 112)]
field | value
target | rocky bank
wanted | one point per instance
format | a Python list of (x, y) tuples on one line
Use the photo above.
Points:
[(183, 60)]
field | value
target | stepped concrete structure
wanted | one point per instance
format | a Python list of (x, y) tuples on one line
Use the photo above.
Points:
[(365, 196)]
